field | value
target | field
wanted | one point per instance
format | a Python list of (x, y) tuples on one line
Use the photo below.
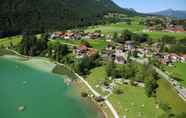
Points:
[(134, 27), (180, 71), (158, 35), (168, 95), (96, 76), (118, 27), (6, 41), (132, 100), (135, 104), (97, 44)]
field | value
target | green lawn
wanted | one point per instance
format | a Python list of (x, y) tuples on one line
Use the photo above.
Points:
[(158, 35), (131, 103), (96, 76), (131, 95), (180, 71), (168, 95), (6, 41), (97, 44), (118, 27), (134, 27)]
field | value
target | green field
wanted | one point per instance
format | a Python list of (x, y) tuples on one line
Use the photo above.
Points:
[(134, 27), (131, 95), (134, 102), (96, 76), (97, 44), (180, 71), (168, 95), (118, 27), (6, 41), (158, 35)]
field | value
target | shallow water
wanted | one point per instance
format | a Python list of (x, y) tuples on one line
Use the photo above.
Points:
[(43, 94)]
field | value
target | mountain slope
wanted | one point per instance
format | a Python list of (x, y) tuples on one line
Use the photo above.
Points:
[(173, 13), (38, 15)]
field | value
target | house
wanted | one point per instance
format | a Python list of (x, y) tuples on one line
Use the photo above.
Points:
[(183, 57), (83, 50), (119, 56), (129, 44)]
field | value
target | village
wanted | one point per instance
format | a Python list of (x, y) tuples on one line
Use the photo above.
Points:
[(121, 53), (164, 24)]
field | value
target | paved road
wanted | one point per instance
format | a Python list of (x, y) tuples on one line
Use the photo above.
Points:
[(114, 112)]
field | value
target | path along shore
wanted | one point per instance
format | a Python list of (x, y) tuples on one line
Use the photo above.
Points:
[(107, 102)]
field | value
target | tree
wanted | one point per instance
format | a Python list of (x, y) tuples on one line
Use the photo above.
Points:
[(115, 36), (135, 37), (151, 78), (184, 26), (82, 66), (86, 43), (143, 38), (129, 71), (28, 44), (181, 115), (125, 36), (182, 41), (150, 86), (168, 39), (110, 68)]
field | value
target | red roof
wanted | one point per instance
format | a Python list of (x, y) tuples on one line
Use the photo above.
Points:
[(82, 47)]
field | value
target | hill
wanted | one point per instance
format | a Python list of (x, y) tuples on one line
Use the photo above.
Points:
[(172, 13), (40, 15)]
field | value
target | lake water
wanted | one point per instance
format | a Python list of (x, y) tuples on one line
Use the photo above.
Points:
[(43, 94)]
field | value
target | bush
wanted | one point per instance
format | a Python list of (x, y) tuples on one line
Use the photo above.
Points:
[(118, 91), (84, 94)]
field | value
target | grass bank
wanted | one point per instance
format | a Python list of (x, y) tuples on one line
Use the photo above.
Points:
[(179, 71), (61, 69), (168, 95), (5, 52), (5, 42)]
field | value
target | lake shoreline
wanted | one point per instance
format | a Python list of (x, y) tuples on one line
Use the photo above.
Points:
[(48, 65)]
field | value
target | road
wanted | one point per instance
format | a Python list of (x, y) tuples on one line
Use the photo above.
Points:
[(107, 102), (114, 112)]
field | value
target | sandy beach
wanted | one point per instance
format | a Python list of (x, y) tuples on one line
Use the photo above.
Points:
[(41, 63)]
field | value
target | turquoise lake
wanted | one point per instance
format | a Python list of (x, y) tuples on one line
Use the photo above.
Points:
[(43, 94)]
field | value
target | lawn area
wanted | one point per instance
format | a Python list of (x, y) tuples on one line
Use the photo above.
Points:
[(180, 71), (118, 27), (124, 101), (96, 76), (97, 44), (168, 95), (133, 102), (6, 41), (158, 35), (134, 27)]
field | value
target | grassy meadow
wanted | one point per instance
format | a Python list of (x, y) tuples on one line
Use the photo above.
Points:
[(180, 70), (6, 41), (167, 94), (132, 103), (95, 43)]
